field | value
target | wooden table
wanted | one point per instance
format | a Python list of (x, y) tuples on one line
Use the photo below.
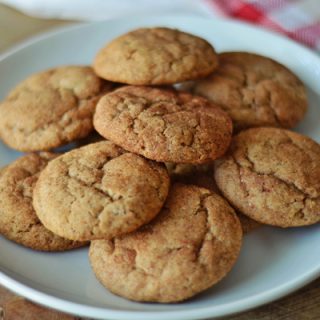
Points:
[(302, 305)]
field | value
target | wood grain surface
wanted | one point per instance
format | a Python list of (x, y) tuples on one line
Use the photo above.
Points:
[(301, 305)]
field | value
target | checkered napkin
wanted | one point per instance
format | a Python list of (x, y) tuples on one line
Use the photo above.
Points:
[(298, 19)]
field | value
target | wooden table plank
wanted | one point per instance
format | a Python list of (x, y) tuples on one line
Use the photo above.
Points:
[(302, 305), (16, 27)]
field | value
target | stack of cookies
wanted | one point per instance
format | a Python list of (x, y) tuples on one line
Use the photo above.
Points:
[(162, 190)]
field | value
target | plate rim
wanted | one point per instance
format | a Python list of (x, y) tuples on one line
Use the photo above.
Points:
[(71, 307), (80, 24)]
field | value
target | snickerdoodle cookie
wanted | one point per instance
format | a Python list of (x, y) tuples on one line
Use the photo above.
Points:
[(255, 91), (18, 220), (192, 244), (99, 191), (273, 176), (163, 124), (155, 56), (51, 108)]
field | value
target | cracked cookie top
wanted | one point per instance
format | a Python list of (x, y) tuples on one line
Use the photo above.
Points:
[(18, 220), (191, 245), (99, 191), (202, 176), (155, 56), (255, 91), (51, 108), (273, 176), (163, 124)]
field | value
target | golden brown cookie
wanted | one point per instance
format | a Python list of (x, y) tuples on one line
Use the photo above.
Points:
[(18, 221), (155, 56), (192, 244), (255, 91), (51, 108), (202, 176), (273, 176), (99, 191), (163, 125)]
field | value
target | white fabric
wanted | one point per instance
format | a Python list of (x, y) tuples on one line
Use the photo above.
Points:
[(292, 17), (106, 9)]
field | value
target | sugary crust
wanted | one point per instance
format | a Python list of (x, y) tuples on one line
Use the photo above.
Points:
[(255, 91), (51, 108), (155, 56), (273, 176), (18, 220), (163, 125), (99, 191), (191, 245)]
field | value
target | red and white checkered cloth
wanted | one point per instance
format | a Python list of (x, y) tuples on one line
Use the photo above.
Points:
[(298, 19)]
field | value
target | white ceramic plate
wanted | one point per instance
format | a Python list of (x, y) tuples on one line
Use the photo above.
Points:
[(273, 262)]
